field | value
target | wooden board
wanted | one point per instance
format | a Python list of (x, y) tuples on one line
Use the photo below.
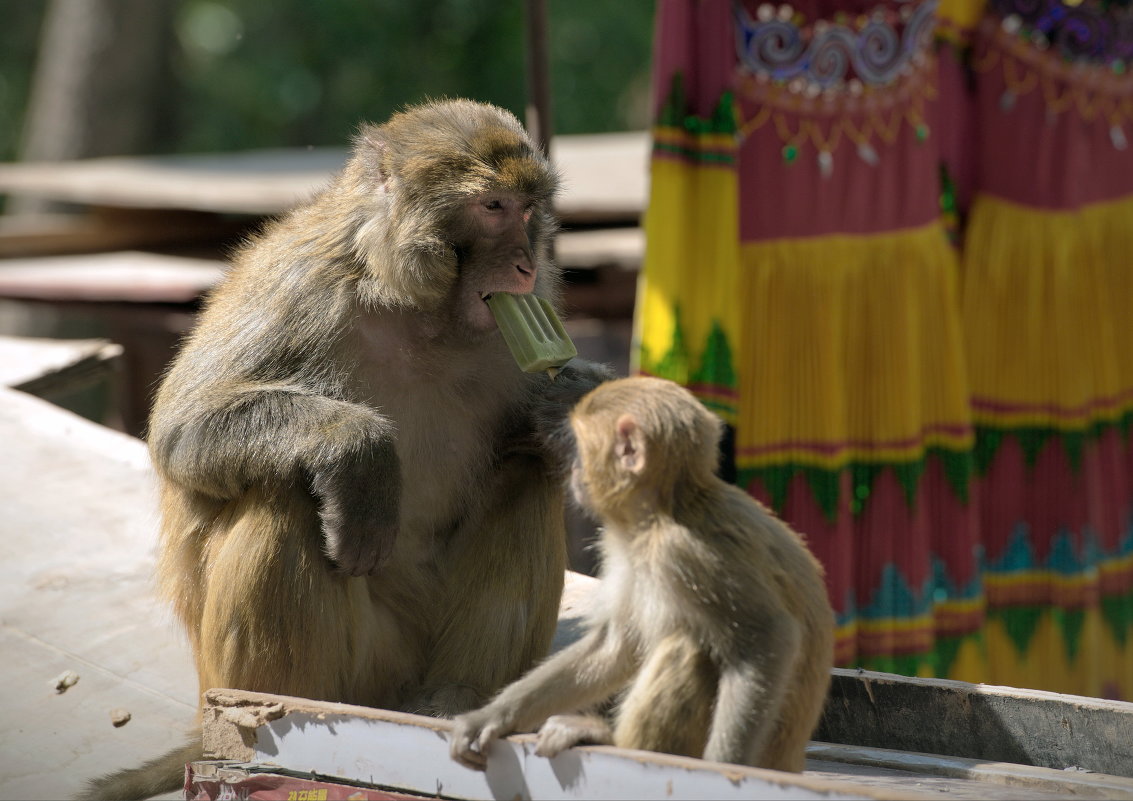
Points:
[(408, 753)]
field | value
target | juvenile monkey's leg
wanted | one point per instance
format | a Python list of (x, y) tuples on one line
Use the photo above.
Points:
[(669, 705), (750, 700), (802, 708), (503, 580), (276, 617)]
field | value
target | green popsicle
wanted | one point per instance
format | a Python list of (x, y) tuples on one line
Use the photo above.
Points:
[(533, 331)]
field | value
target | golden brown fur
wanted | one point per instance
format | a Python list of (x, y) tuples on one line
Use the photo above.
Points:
[(356, 501), (712, 614)]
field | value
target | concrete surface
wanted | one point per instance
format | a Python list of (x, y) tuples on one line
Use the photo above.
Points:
[(77, 542)]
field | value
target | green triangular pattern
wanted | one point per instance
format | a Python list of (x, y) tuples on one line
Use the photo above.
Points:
[(674, 364), (674, 114), (1020, 623), (777, 480), (715, 382), (716, 366), (827, 486), (1033, 439), (958, 467), (722, 120), (944, 655), (987, 445), (909, 475), (1075, 443), (1117, 611), (1070, 624), (724, 116)]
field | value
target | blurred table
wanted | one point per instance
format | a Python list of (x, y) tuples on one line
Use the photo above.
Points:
[(604, 179)]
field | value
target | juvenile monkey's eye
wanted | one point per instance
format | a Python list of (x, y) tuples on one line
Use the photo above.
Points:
[(493, 205)]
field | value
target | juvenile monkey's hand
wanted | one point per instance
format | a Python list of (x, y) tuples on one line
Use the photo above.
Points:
[(472, 736), (359, 507), (560, 732)]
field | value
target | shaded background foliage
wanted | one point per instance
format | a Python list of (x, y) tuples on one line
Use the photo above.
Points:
[(247, 74)]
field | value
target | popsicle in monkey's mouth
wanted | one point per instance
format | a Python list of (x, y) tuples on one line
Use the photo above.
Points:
[(532, 331)]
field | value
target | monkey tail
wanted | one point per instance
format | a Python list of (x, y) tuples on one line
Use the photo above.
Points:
[(163, 774)]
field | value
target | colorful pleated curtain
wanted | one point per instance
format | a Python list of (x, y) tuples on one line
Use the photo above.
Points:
[(891, 245)]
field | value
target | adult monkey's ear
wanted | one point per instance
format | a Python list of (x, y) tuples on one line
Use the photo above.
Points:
[(371, 138), (629, 444)]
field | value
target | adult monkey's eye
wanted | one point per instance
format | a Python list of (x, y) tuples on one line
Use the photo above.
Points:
[(493, 205)]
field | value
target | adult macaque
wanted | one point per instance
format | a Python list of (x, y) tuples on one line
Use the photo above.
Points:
[(711, 611), (356, 501)]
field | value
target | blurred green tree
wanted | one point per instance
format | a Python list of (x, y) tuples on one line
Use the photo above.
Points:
[(18, 45), (249, 74)]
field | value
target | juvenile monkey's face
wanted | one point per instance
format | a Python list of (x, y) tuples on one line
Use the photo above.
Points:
[(494, 254)]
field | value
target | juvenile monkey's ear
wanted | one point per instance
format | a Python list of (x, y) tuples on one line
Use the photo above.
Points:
[(629, 444)]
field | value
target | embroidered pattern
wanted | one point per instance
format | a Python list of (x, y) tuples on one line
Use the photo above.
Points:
[(1077, 31), (1092, 90), (876, 50)]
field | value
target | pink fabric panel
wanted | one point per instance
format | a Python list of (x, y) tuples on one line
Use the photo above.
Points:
[(781, 200), (891, 532), (694, 39), (1060, 162)]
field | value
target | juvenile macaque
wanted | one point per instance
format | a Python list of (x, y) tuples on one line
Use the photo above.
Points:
[(712, 614), (356, 501)]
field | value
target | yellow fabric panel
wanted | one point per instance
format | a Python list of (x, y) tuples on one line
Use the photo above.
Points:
[(971, 661), (851, 340), (1046, 306), (1046, 662), (691, 262)]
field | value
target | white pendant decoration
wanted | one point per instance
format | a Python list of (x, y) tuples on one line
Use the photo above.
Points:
[(825, 163), (1117, 136)]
